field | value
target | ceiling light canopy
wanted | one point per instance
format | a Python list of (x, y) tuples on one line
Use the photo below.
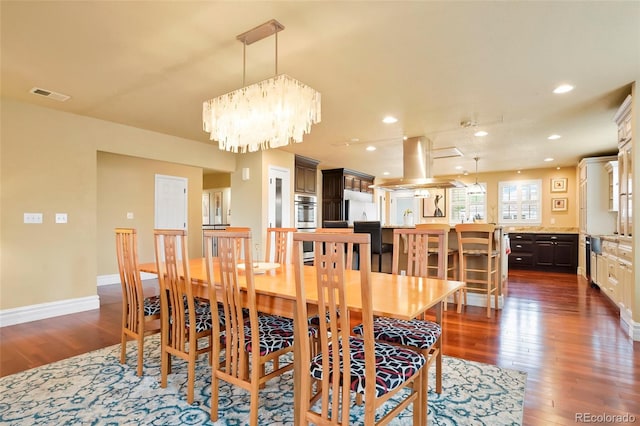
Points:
[(267, 114)]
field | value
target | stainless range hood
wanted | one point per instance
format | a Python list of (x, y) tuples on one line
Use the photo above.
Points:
[(417, 164)]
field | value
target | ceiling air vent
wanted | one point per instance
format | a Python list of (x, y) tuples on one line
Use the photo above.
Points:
[(448, 152), (49, 94)]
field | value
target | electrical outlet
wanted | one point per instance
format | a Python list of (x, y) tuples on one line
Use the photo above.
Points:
[(61, 218), (33, 218)]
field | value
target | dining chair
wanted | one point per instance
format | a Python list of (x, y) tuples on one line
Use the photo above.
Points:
[(451, 259), (346, 363), (478, 261), (250, 343), (279, 242), (373, 228), (314, 320), (140, 314), (417, 334), (349, 246), (185, 320), (238, 229)]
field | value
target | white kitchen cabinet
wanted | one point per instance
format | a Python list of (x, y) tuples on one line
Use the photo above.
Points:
[(625, 168), (614, 187), (601, 276), (595, 217), (625, 277)]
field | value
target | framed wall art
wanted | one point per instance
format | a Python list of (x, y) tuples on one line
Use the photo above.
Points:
[(559, 185), (205, 209), (559, 204), (217, 207), (435, 204)]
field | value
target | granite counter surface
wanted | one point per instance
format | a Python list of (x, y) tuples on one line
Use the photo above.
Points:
[(541, 229)]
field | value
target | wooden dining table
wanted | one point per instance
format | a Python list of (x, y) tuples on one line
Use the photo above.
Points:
[(396, 296)]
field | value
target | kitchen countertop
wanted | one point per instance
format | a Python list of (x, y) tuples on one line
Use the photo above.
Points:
[(541, 229)]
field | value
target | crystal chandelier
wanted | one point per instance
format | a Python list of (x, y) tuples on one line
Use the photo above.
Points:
[(267, 114)]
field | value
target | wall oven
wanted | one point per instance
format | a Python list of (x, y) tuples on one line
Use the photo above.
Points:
[(306, 210)]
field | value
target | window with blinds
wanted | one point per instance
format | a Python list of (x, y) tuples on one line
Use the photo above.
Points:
[(520, 201), (467, 207)]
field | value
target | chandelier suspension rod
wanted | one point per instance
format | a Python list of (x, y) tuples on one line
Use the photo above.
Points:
[(260, 32)]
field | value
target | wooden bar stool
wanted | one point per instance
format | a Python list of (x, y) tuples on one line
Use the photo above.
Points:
[(478, 261)]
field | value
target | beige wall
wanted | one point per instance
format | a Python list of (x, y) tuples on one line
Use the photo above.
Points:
[(49, 164), (250, 199), (127, 184), (216, 180), (568, 219)]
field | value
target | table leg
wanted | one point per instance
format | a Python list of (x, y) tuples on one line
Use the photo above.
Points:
[(439, 347), (297, 372)]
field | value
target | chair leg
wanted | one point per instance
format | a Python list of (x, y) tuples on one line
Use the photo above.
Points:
[(191, 374), (215, 392), (123, 348), (165, 367), (140, 353)]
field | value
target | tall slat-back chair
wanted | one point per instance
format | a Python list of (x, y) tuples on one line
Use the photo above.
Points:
[(478, 261), (138, 312), (417, 334), (279, 242), (348, 363), (249, 342), (185, 319)]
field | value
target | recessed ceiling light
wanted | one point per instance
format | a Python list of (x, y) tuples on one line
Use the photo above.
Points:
[(404, 138), (480, 133), (558, 168), (385, 173), (371, 148), (548, 159), (458, 167), (389, 119), (563, 88), (518, 172), (355, 140), (554, 137)]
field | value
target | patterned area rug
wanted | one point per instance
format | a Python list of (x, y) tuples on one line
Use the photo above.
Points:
[(96, 389)]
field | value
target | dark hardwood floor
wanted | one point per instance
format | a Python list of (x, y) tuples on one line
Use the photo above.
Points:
[(563, 333)]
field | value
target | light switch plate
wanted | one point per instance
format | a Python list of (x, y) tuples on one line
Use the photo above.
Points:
[(33, 218), (129, 215), (61, 218)]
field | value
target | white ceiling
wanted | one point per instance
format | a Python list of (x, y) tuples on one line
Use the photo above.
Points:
[(430, 64)]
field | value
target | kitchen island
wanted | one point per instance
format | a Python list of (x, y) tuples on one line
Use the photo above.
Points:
[(501, 241)]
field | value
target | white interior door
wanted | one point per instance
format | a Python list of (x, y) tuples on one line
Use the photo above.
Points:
[(171, 203), (279, 205)]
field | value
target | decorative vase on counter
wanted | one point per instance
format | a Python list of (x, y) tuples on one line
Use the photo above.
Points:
[(408, 219)]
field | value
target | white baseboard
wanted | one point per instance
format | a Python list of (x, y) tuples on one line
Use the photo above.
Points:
[(115, 278), (48, 310), (629, 325)]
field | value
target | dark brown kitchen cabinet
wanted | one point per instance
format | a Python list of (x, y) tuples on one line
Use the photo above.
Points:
[(305, 176), (334, 183), (521, 256), (558, 252), (544, 252)]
